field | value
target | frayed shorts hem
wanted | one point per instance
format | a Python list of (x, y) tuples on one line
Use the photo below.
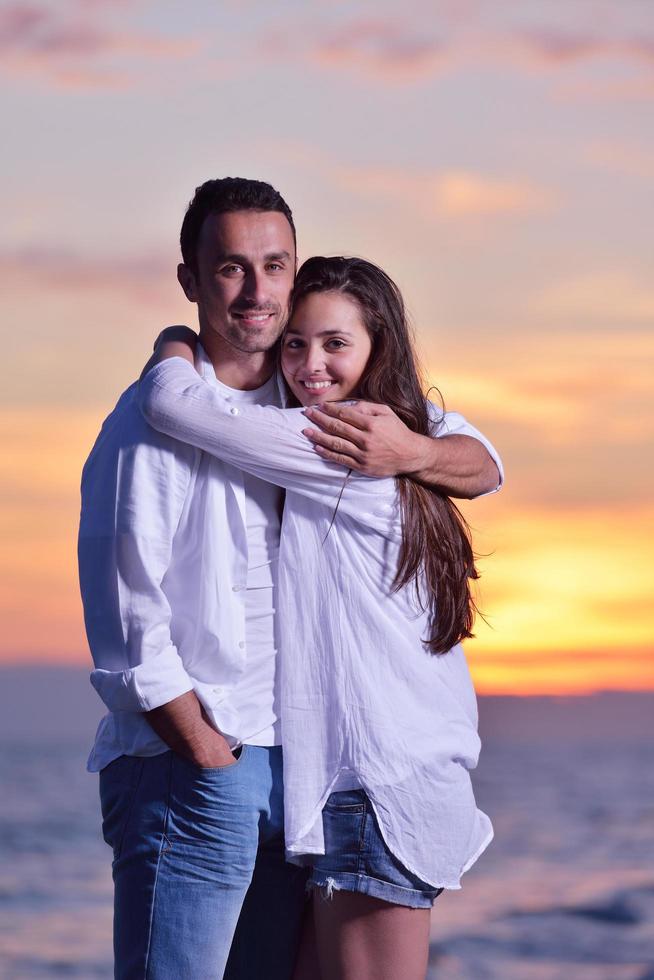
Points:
[(327, 882)]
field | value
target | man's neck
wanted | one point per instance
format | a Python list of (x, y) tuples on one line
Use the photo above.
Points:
[(238, 369)]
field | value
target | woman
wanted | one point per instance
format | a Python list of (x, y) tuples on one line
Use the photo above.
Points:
[(378, 710)]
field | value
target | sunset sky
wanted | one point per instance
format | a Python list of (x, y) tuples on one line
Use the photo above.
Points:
[(497, 159)]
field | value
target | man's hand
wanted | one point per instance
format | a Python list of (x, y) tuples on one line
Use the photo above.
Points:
[(178, 333), (175, 341), (366, 437), (182, 724), (371, 439)]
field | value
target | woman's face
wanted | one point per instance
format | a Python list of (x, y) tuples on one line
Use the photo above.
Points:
[(325, 348)]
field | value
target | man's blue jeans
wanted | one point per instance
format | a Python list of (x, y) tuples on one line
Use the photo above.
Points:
[(194, 850)]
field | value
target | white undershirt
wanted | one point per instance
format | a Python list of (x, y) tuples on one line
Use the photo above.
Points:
[(255, 696)]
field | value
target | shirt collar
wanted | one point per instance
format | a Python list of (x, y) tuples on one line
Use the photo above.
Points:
[(204, 367)]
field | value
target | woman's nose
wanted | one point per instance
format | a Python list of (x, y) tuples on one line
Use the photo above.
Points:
[(314, 359)]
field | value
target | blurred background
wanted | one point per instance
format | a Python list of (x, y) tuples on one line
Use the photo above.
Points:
[(497, 159)]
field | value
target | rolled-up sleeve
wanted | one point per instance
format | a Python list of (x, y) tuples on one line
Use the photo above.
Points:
[(454, 424), (133, 490)]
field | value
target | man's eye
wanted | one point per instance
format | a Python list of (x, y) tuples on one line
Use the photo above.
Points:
[(231, 270), (276, 266)]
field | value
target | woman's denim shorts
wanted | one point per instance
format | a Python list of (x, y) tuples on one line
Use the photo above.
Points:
[(357, 859)]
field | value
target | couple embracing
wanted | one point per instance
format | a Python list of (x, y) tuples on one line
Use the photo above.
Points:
[(275, 585)]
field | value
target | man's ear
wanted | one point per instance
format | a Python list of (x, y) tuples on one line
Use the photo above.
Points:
[(186, 279)]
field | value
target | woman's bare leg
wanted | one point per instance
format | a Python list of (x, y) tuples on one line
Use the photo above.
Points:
[(364, 938), (307, 966)]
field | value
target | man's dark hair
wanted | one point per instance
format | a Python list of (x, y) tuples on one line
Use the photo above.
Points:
[(221, 196)]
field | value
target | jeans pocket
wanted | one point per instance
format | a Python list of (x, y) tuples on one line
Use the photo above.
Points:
[(347, 801), (118, 785), (214, 770)]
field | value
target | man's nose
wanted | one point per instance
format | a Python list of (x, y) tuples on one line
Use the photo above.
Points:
[(254, 288)]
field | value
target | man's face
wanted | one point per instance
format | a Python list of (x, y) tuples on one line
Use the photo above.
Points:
[(245, 273)]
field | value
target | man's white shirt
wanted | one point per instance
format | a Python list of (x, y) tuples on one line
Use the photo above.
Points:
[(164, 573)]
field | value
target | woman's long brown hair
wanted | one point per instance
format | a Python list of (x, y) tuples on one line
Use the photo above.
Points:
[(436, 554)]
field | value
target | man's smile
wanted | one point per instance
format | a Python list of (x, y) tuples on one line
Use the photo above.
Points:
[(253, 318)]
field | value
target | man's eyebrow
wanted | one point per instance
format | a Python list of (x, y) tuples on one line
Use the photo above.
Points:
[(244, 260)]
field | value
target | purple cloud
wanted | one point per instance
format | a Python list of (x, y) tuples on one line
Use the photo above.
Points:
[(559, 47), (142, 276), (36, 39), (381, 47), (405, 48), (20, 23)]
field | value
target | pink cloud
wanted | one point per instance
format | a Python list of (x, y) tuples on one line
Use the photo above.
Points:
[(399, 49), (141, 276), (560, 47), (36, 40), (19, 23), (383, 48)]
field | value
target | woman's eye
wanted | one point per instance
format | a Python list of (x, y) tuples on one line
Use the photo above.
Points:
[(336, 344), (293, 344)]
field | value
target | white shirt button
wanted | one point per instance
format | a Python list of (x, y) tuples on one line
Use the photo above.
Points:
[(241, 644), (237, 588), (233, 411)]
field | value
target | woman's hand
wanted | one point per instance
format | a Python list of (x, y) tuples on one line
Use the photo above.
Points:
[(176, 341)]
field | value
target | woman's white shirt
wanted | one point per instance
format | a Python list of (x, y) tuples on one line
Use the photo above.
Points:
[(359, 693)]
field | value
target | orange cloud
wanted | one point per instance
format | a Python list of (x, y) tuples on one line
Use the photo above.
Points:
[(565, 579), (601, 398), (40, 471), (611, 294), (562, 672), (451, 193), (461, 193)]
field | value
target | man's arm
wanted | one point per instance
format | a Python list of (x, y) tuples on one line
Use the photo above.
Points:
[(133, 490), (374, 441), (262, 440)]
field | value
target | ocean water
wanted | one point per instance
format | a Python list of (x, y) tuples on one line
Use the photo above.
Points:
[(565, 891)]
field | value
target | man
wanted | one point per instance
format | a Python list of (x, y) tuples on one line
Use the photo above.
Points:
[(178, 556)]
